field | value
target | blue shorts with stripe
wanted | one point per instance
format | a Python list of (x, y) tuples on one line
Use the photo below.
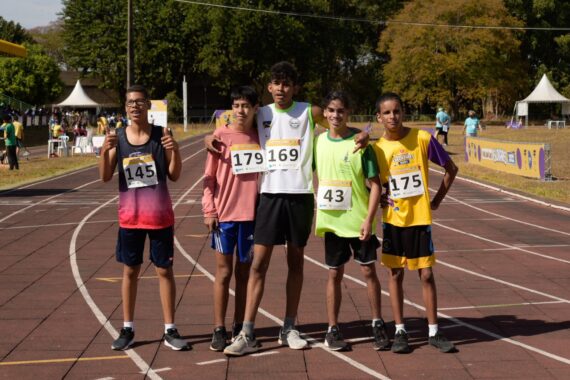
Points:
[(232, 235)]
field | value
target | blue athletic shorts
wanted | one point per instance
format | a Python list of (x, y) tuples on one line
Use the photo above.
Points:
[(130, 246), (230, 235)]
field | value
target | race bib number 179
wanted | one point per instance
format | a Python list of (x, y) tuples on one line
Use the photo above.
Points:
[(247, 158)]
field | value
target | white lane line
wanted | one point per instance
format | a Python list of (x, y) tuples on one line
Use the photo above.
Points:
[(497, 305), (465, 220), (103, 320), (212, 362), (458, 321), (265, 353), (270, 316), (504, 249), (159, 370), (501, 244), (503, 282), (494, 188)]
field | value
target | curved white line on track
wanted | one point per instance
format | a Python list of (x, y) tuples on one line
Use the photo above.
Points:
[(498, 189), (460, 322), (144, 367), (513, 247), (270, 316)]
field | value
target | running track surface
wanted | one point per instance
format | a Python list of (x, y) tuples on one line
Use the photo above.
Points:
[(503, 276)]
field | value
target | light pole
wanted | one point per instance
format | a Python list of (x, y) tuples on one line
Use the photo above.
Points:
[(130, 53)]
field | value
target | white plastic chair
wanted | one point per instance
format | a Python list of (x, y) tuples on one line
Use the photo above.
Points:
[(63, 148)]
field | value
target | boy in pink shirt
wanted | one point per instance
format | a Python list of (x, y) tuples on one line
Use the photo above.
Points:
[(228, 204)]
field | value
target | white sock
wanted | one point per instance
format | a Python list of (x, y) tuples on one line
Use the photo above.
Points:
[(401, 327), (169, 326), (432, 330), (130, 325)]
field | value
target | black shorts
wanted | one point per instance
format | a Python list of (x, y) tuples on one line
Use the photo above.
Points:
[(130, 246), (338, 250), (441, 131), (284, 218), (411, 246)]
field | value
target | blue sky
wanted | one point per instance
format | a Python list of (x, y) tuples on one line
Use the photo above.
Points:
[(30, 13)]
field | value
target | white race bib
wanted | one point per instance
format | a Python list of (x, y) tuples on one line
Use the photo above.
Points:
[(406, 184), (140, 171), (283, 154), (334, 195), (247, 158), (445, 127)]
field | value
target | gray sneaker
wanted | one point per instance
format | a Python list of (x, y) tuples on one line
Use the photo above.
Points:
[(440, 342), (293, 339), (125, 339), (242, 345), (381, 340), (334, 340), (219, 339), (173, 340)]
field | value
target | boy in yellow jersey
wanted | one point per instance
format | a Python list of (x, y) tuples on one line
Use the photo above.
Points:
[(403, 157), (346, 212)]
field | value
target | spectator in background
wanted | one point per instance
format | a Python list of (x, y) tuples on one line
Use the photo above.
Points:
[(442, 122), (10, 141), (471, 124), (19, 132)]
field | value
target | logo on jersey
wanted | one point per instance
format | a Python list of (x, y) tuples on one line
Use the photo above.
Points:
[(294, 123), (402, 159), (267, 124)]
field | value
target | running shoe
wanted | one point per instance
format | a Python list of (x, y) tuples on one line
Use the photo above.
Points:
[(236, 329), (400, 345), (293, 339), (173, 340), (334, 340), (381, 340), (125, 339), (219, 339), (440, 342), (242, 345)]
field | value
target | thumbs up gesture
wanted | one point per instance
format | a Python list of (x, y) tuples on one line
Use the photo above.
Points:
[(111, 139), (167, 140)]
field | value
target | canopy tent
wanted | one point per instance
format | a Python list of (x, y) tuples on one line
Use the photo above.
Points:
[(78, 98), (544, 92)]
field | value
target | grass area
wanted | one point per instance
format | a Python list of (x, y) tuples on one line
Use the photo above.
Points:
[(39, 167), (559, 140)]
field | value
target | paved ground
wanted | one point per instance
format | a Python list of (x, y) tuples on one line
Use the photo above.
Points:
[(503, 278)]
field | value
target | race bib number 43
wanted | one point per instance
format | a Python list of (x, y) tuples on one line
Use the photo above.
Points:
[(283, 154), (140, 171), (406, 184), (334, 195), (247, 158)]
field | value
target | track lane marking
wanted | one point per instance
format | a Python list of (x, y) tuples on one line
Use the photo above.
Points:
[(63, 360), (498, 305), (117, 279)]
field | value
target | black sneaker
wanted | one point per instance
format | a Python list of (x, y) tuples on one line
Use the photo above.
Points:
[(440, 342), (400, 345), (219, 339), (125, 339), (381, 340), (334, 341), (236, 329), (173, 340)]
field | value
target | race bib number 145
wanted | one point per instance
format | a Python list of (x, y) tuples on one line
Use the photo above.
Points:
[(140, 171)]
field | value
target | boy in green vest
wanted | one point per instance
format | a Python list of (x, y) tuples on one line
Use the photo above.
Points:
[(346, 212)]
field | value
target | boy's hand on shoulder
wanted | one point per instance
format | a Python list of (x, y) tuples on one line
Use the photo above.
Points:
[(211, 223), (168, 141), (210, 142), (361, 141)]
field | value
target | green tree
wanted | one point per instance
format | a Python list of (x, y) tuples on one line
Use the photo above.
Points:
[(459, 68), (51, 39), (13, 32), (34, 79)]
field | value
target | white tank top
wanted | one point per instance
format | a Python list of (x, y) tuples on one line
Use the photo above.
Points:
[(286, 136)]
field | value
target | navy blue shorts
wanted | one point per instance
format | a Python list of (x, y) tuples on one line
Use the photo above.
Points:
[(130, 246), (230, 235)]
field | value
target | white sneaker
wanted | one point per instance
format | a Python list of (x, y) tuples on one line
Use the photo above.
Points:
[(292, 339), (242, 345)]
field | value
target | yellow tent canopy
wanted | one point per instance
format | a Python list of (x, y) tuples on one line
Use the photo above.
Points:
[(13, 49)]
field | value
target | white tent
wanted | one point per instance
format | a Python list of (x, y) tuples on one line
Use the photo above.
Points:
[(78, 98), (544, 92)]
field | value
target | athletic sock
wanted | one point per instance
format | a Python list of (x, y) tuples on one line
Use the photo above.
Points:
[(432, 330), (288, 324), (169, 326), (248, 329), (129, 324), (401, 327)]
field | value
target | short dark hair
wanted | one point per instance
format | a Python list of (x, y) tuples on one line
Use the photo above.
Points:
[(6, 117), (138, 88), (284, 71), (245, 92), (388, 96), (337, 95)]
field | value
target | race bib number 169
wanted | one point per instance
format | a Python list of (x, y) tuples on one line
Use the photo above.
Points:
[(283, 154)]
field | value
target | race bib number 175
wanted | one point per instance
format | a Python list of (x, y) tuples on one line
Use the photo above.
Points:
[(406, 184)]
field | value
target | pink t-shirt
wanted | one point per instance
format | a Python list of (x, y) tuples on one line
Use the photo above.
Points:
[(229, 197)]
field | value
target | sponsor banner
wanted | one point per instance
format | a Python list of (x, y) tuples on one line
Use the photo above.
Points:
[(157, 114), (525, 159)]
